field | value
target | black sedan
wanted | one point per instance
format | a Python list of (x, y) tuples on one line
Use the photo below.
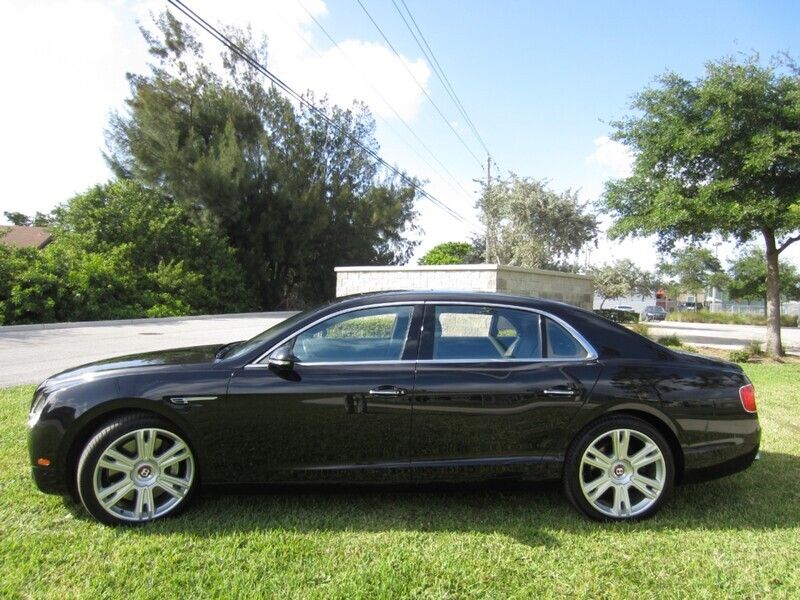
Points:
[(398, 387)]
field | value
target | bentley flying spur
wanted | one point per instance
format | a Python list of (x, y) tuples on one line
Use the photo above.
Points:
[(398, 388)]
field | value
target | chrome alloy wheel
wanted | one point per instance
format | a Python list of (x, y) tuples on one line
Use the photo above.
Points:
[(622, 473), (143, 474)]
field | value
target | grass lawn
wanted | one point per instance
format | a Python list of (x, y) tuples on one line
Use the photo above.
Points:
[(735, 537)]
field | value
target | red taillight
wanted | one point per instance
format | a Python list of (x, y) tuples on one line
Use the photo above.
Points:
[(747, 394)]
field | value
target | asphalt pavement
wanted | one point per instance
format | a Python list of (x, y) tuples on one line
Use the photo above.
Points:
[(727, 337), (30, 354)]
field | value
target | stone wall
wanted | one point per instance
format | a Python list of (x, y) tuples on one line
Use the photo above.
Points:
[(554, 285)]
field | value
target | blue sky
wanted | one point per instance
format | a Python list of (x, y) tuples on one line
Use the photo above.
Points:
[(539, 80)]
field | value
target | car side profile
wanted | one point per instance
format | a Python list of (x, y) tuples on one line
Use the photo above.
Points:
[(398, 388)]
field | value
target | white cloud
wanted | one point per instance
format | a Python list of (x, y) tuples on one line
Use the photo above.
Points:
[(613, 156)]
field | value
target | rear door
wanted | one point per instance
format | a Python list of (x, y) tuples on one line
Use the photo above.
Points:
[(496, 387)]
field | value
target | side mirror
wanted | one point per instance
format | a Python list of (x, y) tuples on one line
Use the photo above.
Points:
[(282, 358)]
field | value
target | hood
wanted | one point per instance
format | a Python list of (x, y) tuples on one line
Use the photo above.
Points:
[(193, 355)]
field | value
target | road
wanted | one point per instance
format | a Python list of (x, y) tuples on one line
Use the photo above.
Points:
[(728, 337), (29, 354)]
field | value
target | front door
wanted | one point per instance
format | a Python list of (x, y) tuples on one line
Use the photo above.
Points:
[(495, 390), (341, 412)]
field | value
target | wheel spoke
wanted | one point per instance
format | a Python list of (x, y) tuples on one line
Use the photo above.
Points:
[(173, 485), (109, 496), (145, 505), (596, 458), (649, 487), (647, 455), (145, 443), (622, 501), (621, 438), (597, 487), (116, 460), (178, 452)]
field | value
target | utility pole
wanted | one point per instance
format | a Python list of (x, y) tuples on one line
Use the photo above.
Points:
[(488, 206)]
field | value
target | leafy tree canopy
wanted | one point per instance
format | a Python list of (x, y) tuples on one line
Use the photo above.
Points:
[(620, 279), (694, 269), (717, 155), (529, 225), (748, 277), (18, 218), (122, 251), (294, 195), (451, 253)]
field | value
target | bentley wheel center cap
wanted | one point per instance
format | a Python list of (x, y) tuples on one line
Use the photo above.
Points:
[(619, 470)]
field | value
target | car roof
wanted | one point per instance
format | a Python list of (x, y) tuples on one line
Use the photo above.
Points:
[(452, 296)]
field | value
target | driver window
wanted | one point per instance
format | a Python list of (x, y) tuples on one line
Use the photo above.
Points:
[(371, 334)]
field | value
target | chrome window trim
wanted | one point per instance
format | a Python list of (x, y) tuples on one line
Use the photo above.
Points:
[(257, 364), (591, 353)]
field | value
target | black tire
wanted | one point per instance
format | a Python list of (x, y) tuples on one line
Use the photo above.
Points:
[(573, 470), (109, 434)]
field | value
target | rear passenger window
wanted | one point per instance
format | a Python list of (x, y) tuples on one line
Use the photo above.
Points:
[(561, 343), (485, 333)]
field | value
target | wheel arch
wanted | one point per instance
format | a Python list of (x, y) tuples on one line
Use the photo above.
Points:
[(657, 420), (93, 421)]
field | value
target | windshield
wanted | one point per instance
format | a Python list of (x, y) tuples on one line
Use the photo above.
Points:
[(274, 331)]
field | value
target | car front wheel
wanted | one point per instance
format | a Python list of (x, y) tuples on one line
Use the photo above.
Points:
[(136, 469), (619, 469)]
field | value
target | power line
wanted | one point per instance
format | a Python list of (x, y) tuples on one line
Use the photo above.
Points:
[(419, 85), (437, 68), (388, 104), (241, 53)]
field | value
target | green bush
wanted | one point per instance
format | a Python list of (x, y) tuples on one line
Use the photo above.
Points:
[(122, 251), (618, 316), (670, 340), (754, 349), (640, 328), (739, 356), (703, 316)]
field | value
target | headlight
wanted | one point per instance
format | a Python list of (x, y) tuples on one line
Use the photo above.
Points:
[(39, 400)]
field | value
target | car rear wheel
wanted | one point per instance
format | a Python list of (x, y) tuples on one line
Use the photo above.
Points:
[(136, 469), (619, 469)]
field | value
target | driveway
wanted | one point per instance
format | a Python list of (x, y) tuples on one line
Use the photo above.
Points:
[(29, 353), (728, 337)]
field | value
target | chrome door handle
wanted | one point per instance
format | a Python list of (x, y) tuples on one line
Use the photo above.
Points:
[(561, 392), (387, 392)]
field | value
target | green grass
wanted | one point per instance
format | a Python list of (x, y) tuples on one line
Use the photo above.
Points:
[(735, 537)]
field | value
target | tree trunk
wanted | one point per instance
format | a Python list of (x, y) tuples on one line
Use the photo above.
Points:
[(774, 346)]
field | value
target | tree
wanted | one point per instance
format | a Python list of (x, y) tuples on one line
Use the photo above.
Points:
[(295, 194), (694, 269), (717, 155), (529, 225), (451, 253), (748, 277), (621, 278), (18, 218), (122, 251)]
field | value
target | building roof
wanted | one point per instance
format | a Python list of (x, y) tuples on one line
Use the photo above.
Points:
[(25, 237)]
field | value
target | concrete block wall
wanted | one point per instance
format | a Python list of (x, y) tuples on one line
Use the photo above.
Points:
[(554, 285)]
